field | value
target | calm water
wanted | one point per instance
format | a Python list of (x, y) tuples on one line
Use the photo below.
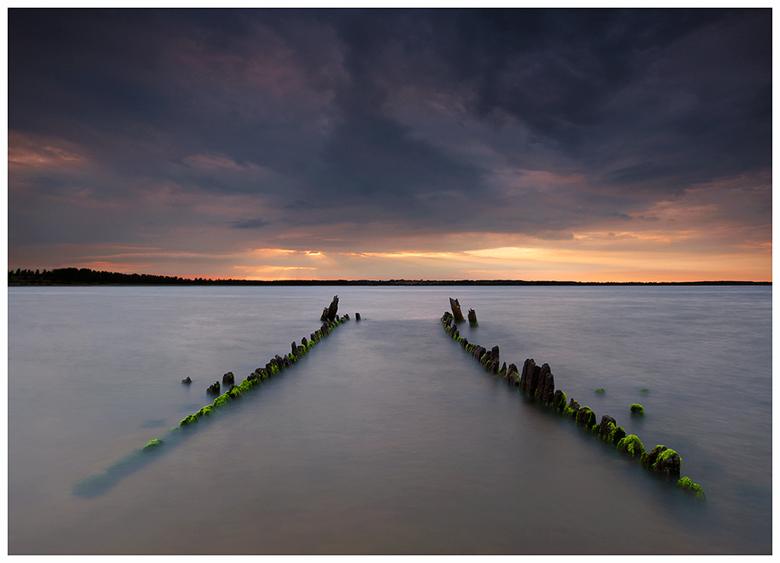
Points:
[(386, 438)]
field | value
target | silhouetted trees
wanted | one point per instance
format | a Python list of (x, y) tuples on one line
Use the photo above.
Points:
[(85, 276)]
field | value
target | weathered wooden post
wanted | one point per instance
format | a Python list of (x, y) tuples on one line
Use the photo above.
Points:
[(473, 317), (329, 313), (456, 312)]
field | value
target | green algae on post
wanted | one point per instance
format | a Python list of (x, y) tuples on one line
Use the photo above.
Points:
[(559, 400), (190, 419), (153, 445), (537, 383), (608, 434), (571, 409), (689, 486), (631, 445), (98, 485), (221, 400), (585, 417), (664, 461)]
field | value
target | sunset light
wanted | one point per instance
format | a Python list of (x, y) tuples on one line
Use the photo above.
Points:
[(280, 152)]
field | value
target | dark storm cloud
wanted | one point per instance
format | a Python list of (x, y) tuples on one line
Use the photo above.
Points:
[(305, 106), (249, 224)]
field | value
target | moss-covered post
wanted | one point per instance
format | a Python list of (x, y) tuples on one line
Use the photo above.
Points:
[(689, 486), (664, 461), (632, 446)]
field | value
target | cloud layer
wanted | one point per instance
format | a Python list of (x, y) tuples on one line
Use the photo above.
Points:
[(392, 143)]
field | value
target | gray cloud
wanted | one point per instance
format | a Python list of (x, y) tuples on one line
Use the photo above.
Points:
[(305, 109), (249, 224)]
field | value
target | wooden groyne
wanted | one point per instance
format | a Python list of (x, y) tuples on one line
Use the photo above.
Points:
[(538, 384), (277, 364), (96, 485)]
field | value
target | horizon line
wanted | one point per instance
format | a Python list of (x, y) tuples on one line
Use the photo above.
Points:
[(135, 277)]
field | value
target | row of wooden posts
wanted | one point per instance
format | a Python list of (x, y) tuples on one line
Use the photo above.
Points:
[(538, 383), (330, 320)]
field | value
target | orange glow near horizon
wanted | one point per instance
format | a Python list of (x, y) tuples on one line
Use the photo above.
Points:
[(508, 262), (590, 256)]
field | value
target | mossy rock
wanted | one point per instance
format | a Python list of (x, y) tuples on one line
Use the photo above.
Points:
[(221, 400), (571, 409), (644, 390), (156, 443), (245, 386), (190, 419), (664, 461), (609, 432), (691, 487), (208, 410), (585, 417), (612, 434), (632, 446), (618, 434), (637, 410), (668, 462), (600, 391), (559, 400), (234, 392)]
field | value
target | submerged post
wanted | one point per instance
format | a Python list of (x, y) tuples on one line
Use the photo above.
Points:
[(473, 317)]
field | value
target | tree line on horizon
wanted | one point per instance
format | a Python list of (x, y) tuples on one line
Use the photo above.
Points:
[(85, 276)]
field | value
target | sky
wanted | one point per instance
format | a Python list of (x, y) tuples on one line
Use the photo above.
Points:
[(450, 144)]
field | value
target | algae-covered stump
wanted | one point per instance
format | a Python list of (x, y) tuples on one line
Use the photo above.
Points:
[(632, 446), (689, 486), (538, 383), (664, 461), (156, 443)]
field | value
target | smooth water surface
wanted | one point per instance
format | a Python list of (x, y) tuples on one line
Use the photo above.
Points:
[(386, 438)]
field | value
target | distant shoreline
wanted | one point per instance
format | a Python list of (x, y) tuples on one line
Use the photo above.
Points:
[(87, 277)]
